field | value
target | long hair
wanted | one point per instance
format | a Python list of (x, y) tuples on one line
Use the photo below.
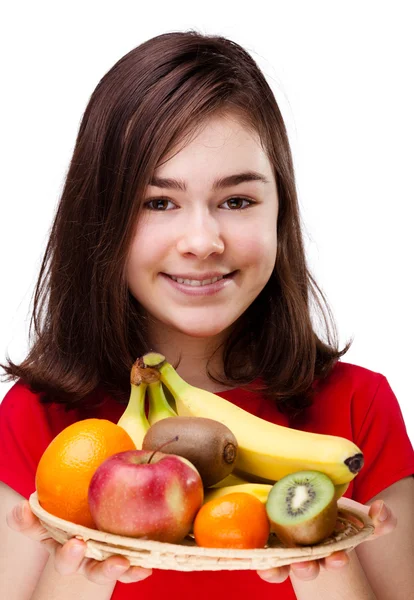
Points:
[(86, 328)]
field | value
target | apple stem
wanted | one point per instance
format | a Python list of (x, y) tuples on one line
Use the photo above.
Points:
[(174, 439)]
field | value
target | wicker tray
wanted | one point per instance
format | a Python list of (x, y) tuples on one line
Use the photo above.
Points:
[(356, 526)]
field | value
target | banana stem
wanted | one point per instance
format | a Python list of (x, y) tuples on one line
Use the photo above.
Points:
[(153, 359), (159, 408)]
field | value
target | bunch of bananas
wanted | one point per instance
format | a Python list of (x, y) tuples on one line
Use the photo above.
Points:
[(266, 451)]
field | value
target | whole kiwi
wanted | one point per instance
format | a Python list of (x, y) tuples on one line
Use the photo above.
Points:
[(208, 444)]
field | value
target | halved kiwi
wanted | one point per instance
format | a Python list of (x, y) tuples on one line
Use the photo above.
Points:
[(302, 508)]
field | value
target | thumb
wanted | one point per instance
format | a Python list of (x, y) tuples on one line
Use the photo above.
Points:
[(22, 519), (383, 518)]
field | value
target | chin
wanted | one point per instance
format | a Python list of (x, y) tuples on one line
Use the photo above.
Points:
[(202, 329)]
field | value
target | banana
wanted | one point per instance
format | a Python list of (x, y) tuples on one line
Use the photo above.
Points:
[(231, 479), (260, 490), (340, 489), (266, 450), (134, 420), (234, 483), (159, 407)]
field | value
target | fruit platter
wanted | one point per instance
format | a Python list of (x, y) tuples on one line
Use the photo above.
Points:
[(187, 556), (196, 483)]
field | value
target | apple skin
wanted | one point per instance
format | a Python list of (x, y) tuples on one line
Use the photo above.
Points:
[(155, 501)]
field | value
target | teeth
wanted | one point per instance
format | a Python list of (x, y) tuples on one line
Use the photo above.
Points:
[(196, 282)]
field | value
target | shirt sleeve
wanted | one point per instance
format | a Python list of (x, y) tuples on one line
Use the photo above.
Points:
[(383, 438), (24, 434)]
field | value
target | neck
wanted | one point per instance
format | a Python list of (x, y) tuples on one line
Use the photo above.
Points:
[(193, 356)]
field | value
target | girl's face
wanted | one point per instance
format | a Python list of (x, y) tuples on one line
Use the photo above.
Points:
[(205, 245)]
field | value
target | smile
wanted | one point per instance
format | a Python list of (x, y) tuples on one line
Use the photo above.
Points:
[(209, 286), (196, 282)]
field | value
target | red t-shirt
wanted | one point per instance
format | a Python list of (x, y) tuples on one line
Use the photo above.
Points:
[(352, 402)]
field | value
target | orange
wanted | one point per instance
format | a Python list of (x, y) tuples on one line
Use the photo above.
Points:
[(67, 465), (237, 520)]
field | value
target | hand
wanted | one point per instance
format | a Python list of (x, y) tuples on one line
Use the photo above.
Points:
[(70, 557), (384, 522)]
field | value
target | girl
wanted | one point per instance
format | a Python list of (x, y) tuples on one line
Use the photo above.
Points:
[(178, 230)]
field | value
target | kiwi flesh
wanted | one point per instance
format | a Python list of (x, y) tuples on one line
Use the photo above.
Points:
[(209, 445), (302, 508)]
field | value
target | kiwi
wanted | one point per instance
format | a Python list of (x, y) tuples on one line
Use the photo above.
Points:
[(302, 508), (209, 445)]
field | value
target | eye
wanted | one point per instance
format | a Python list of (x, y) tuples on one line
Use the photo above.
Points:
[(237, 203), (159, 204)]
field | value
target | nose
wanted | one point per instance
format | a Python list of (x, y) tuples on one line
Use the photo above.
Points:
[(200, 236)]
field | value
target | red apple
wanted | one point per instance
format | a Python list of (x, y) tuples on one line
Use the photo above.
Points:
[(156, 500)]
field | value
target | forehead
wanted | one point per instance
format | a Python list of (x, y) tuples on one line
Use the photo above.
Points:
[(220, 142)]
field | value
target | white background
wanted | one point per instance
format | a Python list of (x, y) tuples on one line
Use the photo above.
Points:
[(342, 73)]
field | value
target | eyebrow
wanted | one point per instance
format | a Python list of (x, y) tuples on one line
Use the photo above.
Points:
[(222, 182)]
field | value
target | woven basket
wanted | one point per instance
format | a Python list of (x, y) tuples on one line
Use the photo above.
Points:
[(356, 526)]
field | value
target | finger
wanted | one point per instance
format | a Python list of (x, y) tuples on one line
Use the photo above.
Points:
[(305, 570), (107, 571), (135, 574), (383, 518), (69, 557), (276, 575), (337, 560)]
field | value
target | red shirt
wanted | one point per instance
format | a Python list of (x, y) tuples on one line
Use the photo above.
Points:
[(352, 402)]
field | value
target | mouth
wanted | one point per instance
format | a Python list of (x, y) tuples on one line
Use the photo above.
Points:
[(200, 286), (199, 282)]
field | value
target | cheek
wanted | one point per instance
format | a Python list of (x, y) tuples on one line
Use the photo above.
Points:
[(258, 250), (147, 249)]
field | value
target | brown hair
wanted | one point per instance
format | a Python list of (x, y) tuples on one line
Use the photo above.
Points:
[(88, 329)]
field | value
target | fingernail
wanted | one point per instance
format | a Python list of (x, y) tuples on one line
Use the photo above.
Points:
[(302, 567), (303, 570), (267, 574), (18, 513), (76, 550), (383, 513), (117, 569), (274, 575), (338, 563)]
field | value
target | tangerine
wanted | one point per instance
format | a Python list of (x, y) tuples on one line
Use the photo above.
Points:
[(67, 465), (237, 520)]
